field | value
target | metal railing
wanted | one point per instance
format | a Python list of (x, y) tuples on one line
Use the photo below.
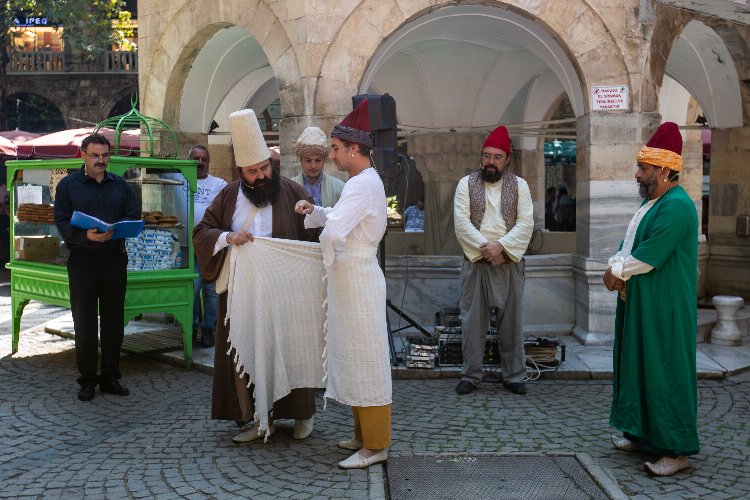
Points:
[(47, 61)]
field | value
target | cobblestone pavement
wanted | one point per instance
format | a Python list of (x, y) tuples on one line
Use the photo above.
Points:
[(159, 441)]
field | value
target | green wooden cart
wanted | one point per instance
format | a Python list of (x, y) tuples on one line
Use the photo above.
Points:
[(162, 283)]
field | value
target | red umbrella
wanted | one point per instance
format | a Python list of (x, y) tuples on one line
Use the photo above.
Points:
[(19, 136), (7, 148), (67, 143)]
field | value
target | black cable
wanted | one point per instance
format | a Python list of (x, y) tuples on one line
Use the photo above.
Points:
[(406, 272), (537, 232)]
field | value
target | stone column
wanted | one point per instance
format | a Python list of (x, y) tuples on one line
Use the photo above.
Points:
[(442, 160), (729, 260), (607, 198), (691, 179)]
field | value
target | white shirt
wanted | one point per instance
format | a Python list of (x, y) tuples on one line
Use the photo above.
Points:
[(207, 190), (622, 264), (515, 242), (360, 214), (262, 224)]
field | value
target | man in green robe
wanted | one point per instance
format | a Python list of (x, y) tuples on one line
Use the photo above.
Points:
[(654, 393)]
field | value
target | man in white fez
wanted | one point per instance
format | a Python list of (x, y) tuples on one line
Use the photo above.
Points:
[(261, 203)]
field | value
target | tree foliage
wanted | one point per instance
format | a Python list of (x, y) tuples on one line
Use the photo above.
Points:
[(88, 29)]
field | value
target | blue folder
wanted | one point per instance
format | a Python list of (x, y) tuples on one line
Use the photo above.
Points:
[(122, 229)]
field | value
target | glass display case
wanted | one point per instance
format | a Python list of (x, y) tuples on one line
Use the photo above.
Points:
[(160, 259)]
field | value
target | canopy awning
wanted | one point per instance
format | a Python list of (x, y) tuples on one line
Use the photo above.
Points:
[(19, 136), (7, 147), (67, 143)]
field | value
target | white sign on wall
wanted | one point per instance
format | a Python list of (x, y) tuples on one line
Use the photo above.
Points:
[(608, 98)]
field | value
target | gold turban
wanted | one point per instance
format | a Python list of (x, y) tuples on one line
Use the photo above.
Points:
[(660, 158)]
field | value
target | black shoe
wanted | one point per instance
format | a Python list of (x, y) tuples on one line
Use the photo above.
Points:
[(87, 392), (195, 336), (207, 337), (465, 387), (515, 387), (113, 387)]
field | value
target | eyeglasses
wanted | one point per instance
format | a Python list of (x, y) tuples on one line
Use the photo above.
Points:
[(103, 156), (498, 157)]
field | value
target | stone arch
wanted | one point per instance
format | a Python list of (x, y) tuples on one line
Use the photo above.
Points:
[(673, 27), (739, 49), (578, 30), (118, 96), (185, 35), (48, 94)]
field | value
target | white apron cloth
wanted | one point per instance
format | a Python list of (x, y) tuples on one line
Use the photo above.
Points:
[(358, 364), (275, 302)]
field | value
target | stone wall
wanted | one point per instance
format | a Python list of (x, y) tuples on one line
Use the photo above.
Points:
[(320, 51), (83, 99), (421, 286), (729, 259)]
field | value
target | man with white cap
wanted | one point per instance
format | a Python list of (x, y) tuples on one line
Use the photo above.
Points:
[(261, 203), (312, 150)]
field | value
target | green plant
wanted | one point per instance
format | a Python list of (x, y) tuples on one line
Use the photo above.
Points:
[(392, 207)]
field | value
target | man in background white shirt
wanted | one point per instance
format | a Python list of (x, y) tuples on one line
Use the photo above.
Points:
[(208, 187), (494, 220)]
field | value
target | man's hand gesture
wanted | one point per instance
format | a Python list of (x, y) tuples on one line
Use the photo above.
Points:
[(612, 282), (94, 235), (493, 252), (239, 237), (303, 207)]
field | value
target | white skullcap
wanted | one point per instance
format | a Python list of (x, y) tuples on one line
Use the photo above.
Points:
[(313, 141), (247, 140), (313, 136)]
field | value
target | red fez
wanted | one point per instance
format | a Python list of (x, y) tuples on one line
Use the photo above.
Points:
[(359, 118), (664, 149), (667, 136), (356, 126), (499, 139)]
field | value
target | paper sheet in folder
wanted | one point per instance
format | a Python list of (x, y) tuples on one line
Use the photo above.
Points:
[(122, 229)]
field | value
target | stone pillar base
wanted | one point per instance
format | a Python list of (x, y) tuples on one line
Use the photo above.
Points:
[(593, 338), (595, 305)]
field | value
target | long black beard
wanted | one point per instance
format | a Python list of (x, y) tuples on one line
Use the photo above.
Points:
[(263, 192), (488, 177), (646, 189)]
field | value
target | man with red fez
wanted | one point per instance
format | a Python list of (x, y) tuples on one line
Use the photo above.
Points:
[(261, 203), (494, 220), (654, 393), (359, 372)]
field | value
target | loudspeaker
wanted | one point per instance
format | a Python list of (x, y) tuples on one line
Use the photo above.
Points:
[(384, 138), (382, 109), (383, 126), (386, 161)]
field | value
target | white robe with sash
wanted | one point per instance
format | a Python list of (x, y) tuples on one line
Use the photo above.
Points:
[(357, 360)]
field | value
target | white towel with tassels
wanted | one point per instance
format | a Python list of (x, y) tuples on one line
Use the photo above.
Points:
[(277, 335)]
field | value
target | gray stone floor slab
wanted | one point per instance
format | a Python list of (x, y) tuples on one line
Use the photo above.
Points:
[(160, 440)]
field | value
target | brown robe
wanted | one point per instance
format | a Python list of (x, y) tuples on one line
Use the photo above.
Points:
[(230, 399)]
